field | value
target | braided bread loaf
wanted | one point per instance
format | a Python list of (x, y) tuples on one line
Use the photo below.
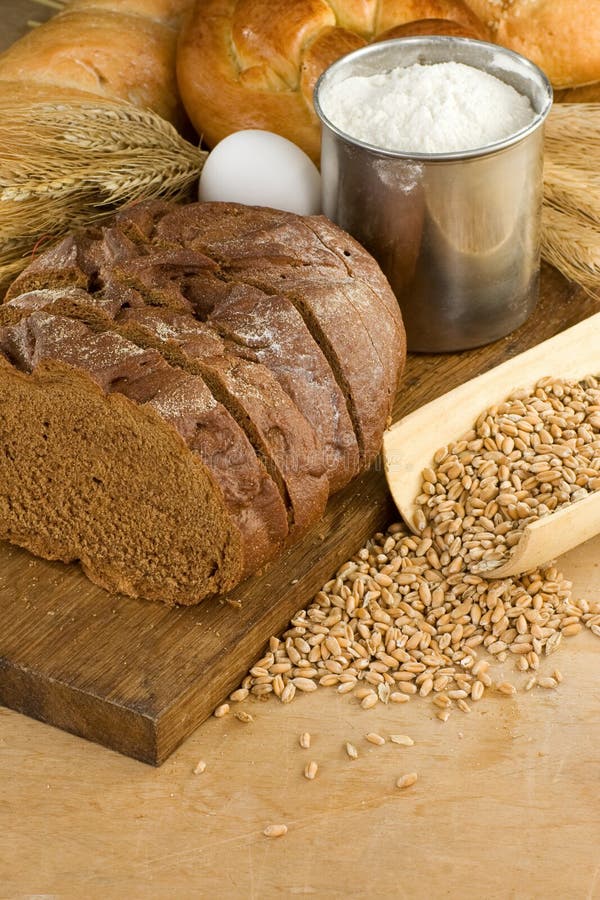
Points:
[(118, 49), (239, 65)]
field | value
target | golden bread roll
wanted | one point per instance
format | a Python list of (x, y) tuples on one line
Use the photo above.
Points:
[(124, 49), (561, 36), (243, 64)]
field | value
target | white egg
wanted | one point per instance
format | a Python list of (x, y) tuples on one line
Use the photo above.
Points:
[(260, 168)]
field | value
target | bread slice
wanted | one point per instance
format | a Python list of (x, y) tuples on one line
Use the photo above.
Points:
[(112, 457), (269, 330), (284, 441), (282, 437)]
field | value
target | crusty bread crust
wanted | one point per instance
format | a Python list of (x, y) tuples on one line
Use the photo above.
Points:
[(241, 65), (278, 330), (560, 36), (118, 49)]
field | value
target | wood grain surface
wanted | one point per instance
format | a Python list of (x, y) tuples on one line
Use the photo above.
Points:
[(506, 806), (139, 677)]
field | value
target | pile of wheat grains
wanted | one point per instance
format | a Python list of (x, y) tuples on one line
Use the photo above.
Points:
[(414, 614)]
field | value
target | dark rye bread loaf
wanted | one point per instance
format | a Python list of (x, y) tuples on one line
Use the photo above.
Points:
[(112, 457), (355, 319), (308, 373), (282, 438)]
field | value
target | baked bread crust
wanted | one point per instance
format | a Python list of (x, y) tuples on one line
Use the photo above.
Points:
[(198, 287), (239, 65), (561, 36), (269, 330), (141, 398), (336, 287), (124, 49)]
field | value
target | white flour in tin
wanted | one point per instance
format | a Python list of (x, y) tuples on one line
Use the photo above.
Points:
[(439, 108)]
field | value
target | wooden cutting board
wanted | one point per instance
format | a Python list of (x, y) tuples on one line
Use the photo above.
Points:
[(138, 677)]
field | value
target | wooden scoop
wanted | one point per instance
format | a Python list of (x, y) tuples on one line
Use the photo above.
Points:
[(409, 445)]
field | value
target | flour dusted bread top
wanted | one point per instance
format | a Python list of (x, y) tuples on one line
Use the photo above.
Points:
[(270, 343)]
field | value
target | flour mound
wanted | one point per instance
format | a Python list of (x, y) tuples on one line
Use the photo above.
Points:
[(439, 108)]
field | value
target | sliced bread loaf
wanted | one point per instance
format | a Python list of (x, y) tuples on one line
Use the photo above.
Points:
[(112, 457), (266, 345)]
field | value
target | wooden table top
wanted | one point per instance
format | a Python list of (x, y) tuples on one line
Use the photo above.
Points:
[(506, 804)]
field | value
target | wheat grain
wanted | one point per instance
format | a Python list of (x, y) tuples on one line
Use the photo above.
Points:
[(274, 831), (477, 689), (397, 697), (369, 701), (351, 751), (406, 781), (311, 769), (239, 695), (306, 685)]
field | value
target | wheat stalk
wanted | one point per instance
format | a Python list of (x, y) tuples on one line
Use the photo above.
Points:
[(573, 246), (571, 213), (572, 134), (67, 164)]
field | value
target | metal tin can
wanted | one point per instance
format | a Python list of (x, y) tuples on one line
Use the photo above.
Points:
[(457, 234)]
